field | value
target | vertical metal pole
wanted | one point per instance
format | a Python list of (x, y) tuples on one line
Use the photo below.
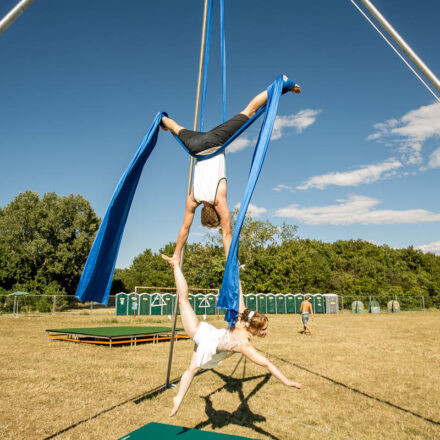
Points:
[(342, 300), (13, 14), (423, 303), (54, 301), (190, 174), (402, 44)]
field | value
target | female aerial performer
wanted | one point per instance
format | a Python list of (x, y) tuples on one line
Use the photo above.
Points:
[(212, 345), (209, 175)]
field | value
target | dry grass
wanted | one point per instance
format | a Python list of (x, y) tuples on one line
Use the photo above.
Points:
[(365, 376)]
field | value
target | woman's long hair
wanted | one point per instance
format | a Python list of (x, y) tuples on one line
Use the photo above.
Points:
[(254, 323)]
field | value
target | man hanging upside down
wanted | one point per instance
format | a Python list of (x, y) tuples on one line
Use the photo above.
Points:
[(209, 186)]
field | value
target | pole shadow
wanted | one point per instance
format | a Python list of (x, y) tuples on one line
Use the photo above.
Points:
[(362, 393)]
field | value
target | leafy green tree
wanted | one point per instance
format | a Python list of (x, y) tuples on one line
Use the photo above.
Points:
[(45, 242)]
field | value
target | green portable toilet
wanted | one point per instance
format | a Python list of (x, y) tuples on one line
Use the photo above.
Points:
[(357, 307), (201, 304), (122, 303), (192, 300), (133, 304), (271, 305), (251, 301), (144, 304), (318, 303), (281, 303), (168, 307), (261, 303), (374, 306), (290, 303), (299, 298), (393, 306), (212, 299), (156, 304)]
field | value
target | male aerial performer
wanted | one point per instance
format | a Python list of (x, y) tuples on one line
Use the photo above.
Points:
[(209, 186)]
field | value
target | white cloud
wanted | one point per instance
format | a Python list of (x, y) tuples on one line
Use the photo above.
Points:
[(433, 247), (300, 121), (434, 160), (253, 211), (365, 174), (356, 209), (410, 132), (239, 144), (282, 187)]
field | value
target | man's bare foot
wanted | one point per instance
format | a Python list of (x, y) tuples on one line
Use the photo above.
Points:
[(296, 88), (172, 261), (176, 405)]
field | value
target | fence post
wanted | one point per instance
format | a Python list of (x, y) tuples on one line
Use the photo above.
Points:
[(423, 303), (15, 306), (342, 303), (54, 304)]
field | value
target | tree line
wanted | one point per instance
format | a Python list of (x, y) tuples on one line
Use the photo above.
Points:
[(44, 243)]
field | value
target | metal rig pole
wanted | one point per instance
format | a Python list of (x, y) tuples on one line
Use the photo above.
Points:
[(402, 44), (190, 174), (13, 14)]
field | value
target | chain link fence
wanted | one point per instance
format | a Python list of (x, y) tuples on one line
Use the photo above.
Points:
[(22, 304)]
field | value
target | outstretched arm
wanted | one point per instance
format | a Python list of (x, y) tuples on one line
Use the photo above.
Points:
[(190, 209), (253, 355), (241, 304)]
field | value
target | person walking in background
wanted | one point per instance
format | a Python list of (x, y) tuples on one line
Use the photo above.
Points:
[(306, 309)]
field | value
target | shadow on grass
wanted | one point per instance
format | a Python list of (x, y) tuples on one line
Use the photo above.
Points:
[(242, 416), (362, 393)]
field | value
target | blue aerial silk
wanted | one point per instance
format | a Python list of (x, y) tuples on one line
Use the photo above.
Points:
[(230, 290), (96, 279)]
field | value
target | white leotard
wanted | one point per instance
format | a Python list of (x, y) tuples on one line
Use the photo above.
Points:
[(213, 345), (207, 175)]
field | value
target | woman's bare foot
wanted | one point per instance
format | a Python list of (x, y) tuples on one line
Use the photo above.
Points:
[(296, 88), (176, 405), (172, 261)]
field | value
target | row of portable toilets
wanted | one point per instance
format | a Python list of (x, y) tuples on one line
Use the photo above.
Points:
[(205, 304), (374, 307)]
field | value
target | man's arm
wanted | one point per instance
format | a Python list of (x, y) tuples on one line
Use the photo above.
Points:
[(221, 206), (301, 308), (190, 209)]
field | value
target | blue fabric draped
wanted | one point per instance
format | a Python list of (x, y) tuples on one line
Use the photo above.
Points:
[(230, 291), (96, 279)]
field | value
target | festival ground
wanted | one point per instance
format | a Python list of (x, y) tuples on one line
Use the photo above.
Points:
[(366, 377)]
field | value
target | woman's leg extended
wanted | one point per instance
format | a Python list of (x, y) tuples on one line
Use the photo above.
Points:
[(171, 124), (255, 104), (187, 315), (185, 383)]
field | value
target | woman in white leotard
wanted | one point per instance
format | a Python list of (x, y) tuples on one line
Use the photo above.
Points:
[(212, 345)]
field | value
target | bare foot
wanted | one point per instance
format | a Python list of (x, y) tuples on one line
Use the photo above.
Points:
[(172, 261), (296, 88), (176, 405)]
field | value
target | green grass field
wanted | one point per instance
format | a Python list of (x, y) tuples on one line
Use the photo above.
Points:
[(366, 377)]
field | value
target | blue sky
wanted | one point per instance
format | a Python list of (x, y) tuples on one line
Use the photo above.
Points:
[(356, 155)]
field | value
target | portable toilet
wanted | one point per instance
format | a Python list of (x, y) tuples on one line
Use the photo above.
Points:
[(201, 304), (144, 304), (290, 303), (331, 303), (374, 306), (168, 306), (122, 303), (280, 300), (357, 307), (156, 303), (261, 303), (133, 304), (212, 300), (393, 306), (299, 298), (251, 301), (318, 303), (271, 306)]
